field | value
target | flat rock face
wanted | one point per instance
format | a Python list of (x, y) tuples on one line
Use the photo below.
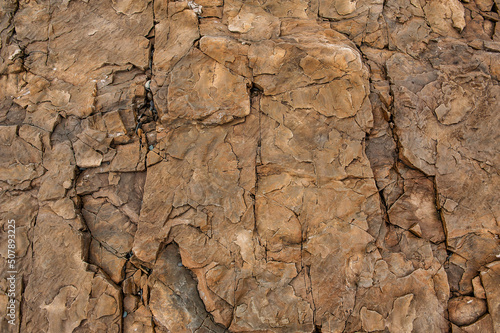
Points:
[(250, 166)]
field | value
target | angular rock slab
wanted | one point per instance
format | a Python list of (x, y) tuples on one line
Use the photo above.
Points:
[(265, 215), (445, 118), (199, 88), (80, 301), (491, 279)]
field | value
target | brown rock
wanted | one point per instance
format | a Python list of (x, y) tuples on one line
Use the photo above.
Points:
[(416, 230), (74, 91), (445, 17), (60, 163), (114, 124), (278, 66), (251, 166), (139, 321), (82, 286), (204, 90), (450, 156), (484, 324), (415, 209), (85, 156), (478, 288), (175, 303), (64, 207), (129, 158), (228, 52), (490, 279), (361, 20), (402, 315), (109, 262), (108, 225), (174, 38), (19, 162), (465, 310), (254, 23), (371, 320)]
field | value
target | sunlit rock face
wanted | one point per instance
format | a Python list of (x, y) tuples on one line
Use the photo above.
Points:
[(250, 166)]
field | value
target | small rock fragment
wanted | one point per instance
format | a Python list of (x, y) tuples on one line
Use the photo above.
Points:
[(478, 288), (372, 320), (465, 310), (415, 229)]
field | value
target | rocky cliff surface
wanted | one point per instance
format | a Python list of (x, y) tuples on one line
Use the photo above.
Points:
[(250, 166)]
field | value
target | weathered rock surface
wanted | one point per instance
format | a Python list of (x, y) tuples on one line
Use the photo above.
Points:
[(250, 166), (465, 310)]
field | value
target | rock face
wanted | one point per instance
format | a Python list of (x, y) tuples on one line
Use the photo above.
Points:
[(465, 310), (250, 166)]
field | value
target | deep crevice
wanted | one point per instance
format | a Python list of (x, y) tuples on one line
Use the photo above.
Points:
[(317, 329)]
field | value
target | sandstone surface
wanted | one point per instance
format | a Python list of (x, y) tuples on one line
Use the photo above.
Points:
[(250, 166)]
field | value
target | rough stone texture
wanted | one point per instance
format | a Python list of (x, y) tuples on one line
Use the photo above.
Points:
[(465, 310), (251, 166), (491, 278)]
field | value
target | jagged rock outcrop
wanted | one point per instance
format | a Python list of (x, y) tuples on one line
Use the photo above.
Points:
[(250, 166)]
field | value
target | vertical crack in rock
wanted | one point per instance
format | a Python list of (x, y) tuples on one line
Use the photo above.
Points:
[(440, 213), (255, 96)]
